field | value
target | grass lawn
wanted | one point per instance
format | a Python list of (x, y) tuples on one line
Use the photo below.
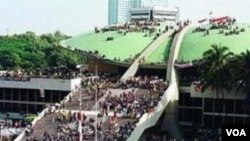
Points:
[(161, 54), (194, 44), (30, 117), (121, 47)]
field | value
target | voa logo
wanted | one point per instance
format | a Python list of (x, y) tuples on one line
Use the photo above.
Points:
[(236, 132)]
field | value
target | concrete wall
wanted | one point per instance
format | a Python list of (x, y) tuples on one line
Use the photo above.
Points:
[(47, 84), (149, 119), (101, 66), (209, 93)]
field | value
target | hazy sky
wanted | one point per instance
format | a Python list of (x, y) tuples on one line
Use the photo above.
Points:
[(76, 16)]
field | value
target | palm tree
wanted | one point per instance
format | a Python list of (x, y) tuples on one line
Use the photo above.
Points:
[(215, 71), (243, 76)]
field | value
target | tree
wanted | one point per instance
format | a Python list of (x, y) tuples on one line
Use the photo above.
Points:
[(9, 59), (243, 77), (215, 71)]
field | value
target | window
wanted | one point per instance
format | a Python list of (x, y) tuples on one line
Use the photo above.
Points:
[(181, 99), (1, 94), (2, 107), (187, 113), (139, 14), (209, 104), (7, 94), (8, 107), (218, 108), (229, 106), (31, 96), (218, 120), (181, 111), (23, 108), (15, 94), (239, 120), (23, 95), (47, 96), (38, 96), (55, 96), (187, 99), (208, 120), (239, 107), (197, 116), (31, 108), (39, 108), (229, 120), (197, 102), (248, 120), (15, 107)]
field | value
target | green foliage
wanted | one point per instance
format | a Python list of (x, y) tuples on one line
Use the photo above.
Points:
[(31, 52), (216, 68)]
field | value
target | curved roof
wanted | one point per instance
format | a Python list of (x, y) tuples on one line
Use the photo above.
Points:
[(194, 44), (122, 46)]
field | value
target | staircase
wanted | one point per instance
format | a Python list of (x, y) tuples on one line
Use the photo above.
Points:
[(170, 96), (135, 65)]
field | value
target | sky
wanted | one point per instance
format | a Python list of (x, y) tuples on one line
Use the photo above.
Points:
[(73, 17)]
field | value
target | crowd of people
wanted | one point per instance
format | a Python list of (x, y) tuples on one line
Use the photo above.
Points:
[(129, 105), (11, 128), (66, 127)]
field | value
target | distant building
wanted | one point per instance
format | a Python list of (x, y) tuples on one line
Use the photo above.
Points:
[(154, 13), (152, 3), (119, 9)]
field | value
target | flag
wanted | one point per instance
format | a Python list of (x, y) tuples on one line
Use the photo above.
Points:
[(196, 88), (42, 91), (201, 21), (42, 94)]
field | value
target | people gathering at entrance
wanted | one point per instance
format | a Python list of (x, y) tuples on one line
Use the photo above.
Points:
[(118, 112)]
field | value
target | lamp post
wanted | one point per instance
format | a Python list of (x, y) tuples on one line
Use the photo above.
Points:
[(96, 73), (80, 109)]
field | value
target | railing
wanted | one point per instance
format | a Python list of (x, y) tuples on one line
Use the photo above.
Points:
[(41, 115), (149, 119), (171, 94)]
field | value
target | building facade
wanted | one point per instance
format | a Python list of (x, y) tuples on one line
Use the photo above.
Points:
[(152, 3), (154, 14), (119, 9), (203, 110), (31, 96)]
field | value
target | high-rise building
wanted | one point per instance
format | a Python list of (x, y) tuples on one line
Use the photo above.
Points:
[(119, 9), (150, 3)]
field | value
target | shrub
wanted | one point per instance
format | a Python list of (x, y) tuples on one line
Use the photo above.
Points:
[(166, 28), (96, 52), (110, 38), (221, 32)]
